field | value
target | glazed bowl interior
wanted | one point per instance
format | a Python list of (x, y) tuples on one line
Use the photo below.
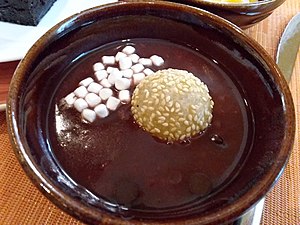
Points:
[(243, 15), (264, 93)]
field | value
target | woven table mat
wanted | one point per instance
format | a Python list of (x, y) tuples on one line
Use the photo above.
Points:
[(282, 205), (22, 203)]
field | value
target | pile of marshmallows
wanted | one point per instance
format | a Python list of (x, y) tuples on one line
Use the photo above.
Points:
[(110, 88)]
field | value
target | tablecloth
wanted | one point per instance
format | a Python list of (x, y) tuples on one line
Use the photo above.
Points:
[(22, 203)]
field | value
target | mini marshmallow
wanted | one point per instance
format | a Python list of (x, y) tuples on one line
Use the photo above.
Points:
[(110, 69), (101, 74), (105, 83), (145, 61), (116, 71), (120, 55), (124, 96), (98, 66), (80, 92), (94, 87), (134, 58), (112, 103), (114, 76), (80, 104), (70, 99), (157, 60), (105, 93), (128, 50), (86, 82), (137, 78), (127, 73), (101, 111), (122, 83), (137, 68), (125, 63), (148, 71), (92, 99), (108, 60), (88, 115)]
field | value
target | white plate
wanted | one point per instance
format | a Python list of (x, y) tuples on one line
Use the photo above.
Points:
[(15, 40)]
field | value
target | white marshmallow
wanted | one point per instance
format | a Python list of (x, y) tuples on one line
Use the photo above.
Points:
[(101, 111), (120, 55), (80, 104), (124, 96), (116, 74), (122, 83), (145, 61), (125, 63), (157, 60), (70, 99), (137, 78), (101, 74), (137, 68), (80, 92), (128, 50), (148, 71), (98, 66), (88, 115), (127, 73), (110, 69), (108, 60), (92, 99), (105, 83), (134, 58), (105, 93), (94, 87), (112, 103), (86, 82), (116, 71)]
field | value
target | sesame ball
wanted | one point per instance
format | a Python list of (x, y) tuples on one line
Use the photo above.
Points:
[(172, 105)]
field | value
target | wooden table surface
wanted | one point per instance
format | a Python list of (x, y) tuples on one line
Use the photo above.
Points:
[(22, 203), (6, 71)]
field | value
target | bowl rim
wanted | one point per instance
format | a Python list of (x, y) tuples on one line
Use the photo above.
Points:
[(234, 5), (91, 214)]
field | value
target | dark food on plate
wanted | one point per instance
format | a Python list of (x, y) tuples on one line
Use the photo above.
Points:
[(24, 12), (117, 160)]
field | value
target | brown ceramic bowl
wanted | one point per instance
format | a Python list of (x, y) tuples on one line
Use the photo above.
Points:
[(242, 60), (243, 15)]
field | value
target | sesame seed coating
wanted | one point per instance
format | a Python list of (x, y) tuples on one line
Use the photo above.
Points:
[(177, 114)]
